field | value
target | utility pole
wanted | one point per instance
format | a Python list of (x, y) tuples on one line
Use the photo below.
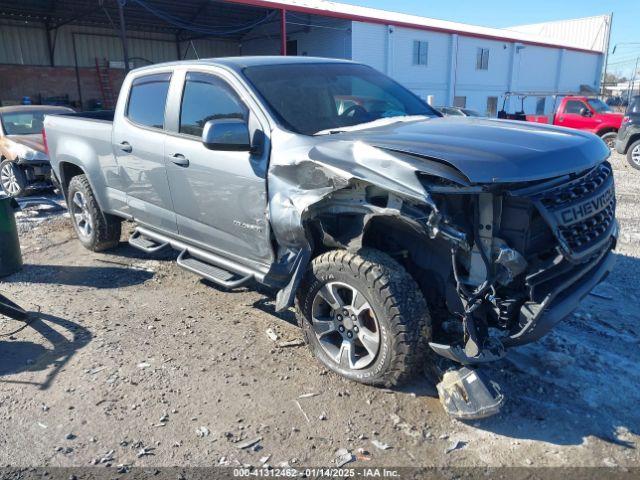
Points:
[(123, 35), (606, 54), (633, 80)]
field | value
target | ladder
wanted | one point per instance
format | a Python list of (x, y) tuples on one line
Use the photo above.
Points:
[(106, 87)]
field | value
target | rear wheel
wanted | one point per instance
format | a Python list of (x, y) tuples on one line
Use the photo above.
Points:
[(610, 139), (12, 179), (363, 316), (96, 230), (633, 155)]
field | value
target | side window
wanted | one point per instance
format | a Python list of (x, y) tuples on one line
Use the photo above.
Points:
[(460, 102), (147, 100), (574, 106), (205, 98), (420, 52), (482, 59)]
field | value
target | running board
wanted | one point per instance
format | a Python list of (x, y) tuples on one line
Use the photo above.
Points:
[(211, 272), (139, 241)]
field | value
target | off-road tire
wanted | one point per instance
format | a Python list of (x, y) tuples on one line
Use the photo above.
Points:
[(610, 138), (20, 179), (396, 300), (106, 228), (630, 152)]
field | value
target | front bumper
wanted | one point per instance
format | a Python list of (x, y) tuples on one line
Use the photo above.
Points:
[(621, 146), (537, 319)]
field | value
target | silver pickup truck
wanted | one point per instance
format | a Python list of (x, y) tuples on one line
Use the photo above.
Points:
[(403, 238)]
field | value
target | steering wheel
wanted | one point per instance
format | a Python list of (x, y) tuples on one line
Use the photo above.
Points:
[(354, 111)]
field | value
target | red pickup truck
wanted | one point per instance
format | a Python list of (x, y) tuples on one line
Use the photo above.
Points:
[(584, 113)]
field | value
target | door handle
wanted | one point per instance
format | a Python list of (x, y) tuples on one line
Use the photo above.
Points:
[(126, 147), (180, 160)]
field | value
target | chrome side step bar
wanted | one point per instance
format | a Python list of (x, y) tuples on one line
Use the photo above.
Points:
[(141, 242), (212, 273), (217, 269)]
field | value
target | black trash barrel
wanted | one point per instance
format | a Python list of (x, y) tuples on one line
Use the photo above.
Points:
[(10, 253)]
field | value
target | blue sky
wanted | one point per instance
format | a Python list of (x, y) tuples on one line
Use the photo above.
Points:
[(504, 13)]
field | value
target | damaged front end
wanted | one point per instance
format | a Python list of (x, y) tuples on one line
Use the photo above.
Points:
[(499, 264)]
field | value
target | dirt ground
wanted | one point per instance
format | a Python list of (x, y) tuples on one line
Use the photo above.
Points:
[(137, 362)]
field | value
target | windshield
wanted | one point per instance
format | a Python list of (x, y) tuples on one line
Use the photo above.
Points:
[(24, 123), (311, 98), (598, 105)]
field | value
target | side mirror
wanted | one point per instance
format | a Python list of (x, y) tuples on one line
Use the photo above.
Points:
[(585, 112), (230, 135)]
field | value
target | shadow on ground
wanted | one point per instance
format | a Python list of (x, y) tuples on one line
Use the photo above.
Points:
[(80, 276), (61, 340)]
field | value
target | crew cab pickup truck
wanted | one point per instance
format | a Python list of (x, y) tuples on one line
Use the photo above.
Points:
[(402, 236), (584, 113)]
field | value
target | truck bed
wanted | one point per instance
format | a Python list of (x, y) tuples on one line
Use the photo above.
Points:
[(82, 139)]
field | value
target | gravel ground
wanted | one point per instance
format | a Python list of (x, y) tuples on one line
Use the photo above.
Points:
[(137, 362)]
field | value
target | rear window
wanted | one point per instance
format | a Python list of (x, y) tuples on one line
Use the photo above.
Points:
[(147, 100)]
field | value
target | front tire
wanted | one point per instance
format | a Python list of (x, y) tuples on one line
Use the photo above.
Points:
[(633, 154), (364, 317), (12, 179), (96, 230)]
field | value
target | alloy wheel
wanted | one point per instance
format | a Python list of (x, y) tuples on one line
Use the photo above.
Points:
[(81, 214), (9, 180), (635, 155), (346, 326)]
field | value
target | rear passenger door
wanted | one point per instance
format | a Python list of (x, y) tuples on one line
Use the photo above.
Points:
[(138, 145), (220, 197)]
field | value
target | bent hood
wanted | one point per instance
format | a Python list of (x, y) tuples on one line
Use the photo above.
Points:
[(489, 151)]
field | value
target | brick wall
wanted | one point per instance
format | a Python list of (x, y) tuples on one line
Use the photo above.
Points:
[(17, 81)]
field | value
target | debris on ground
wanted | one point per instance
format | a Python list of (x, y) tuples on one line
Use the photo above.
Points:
[(144, 451), (248, 443), (291, 343), (380, 445), (308, 395), (303, 412), (272, 335), (202, 432), (343, 456), (457, 445)]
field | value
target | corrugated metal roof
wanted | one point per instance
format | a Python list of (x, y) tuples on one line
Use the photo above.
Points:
[(322, 7), (590, 33)]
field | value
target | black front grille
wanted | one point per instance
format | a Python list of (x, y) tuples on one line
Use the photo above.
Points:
[(574, 191), (581, 213), (582, 235)]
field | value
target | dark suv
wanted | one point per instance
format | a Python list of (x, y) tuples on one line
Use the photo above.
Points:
[(628, 141)]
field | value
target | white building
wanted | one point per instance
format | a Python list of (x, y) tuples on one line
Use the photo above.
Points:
[(445, 62)]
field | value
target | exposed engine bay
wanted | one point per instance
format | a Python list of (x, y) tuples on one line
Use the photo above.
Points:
[(499, 264)]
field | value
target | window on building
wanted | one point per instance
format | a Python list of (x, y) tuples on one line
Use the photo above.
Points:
[(574, 106), (420, 52), (540, 105), (482, 59), (147, 100), (205, 98), (460, 102), (492, 106)]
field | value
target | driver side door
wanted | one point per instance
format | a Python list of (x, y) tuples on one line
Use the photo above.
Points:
[(219, 197)]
